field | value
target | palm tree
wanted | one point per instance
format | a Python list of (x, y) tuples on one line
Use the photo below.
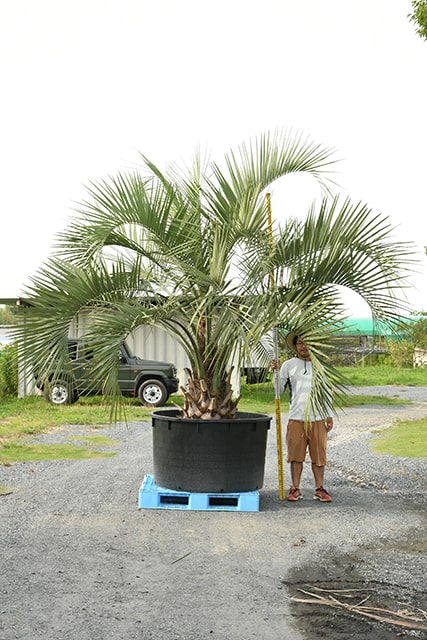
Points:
[(192, 252)]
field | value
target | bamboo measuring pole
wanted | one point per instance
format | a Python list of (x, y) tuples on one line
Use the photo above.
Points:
[(276, 370)]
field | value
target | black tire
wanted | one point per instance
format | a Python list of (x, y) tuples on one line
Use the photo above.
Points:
[(60, 392), (152, 393)]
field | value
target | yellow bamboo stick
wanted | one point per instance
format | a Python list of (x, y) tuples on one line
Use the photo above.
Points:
[(276, 370)]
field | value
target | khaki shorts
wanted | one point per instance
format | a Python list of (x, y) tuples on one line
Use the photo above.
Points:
[(299, 437)]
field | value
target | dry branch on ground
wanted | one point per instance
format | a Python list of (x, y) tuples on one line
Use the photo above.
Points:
[(412, 619)]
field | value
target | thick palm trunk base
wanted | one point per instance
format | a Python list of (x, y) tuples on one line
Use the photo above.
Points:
[(200, 404)]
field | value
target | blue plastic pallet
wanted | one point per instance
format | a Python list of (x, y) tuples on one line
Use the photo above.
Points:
[(153, 497)]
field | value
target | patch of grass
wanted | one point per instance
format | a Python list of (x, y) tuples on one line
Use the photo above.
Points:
[(4, 491), (23, 417), (406, 439), (363, 400), (17, 452), (385, 375), (96, 441), (32, 415), (259, 398)]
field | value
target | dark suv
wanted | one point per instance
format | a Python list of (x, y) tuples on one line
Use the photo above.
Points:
[(150, 381)]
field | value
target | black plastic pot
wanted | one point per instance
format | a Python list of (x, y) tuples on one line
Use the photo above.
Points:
[(209, 456)]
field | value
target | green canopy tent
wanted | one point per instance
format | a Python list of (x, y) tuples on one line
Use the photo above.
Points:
[(364, 327), (371, 327)]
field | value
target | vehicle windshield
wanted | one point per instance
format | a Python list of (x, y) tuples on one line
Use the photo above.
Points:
[(128, 353)]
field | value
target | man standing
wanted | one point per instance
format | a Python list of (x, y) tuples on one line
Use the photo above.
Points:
[(296, 373)]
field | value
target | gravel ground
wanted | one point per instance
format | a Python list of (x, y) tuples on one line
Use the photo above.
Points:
[(80, 561)]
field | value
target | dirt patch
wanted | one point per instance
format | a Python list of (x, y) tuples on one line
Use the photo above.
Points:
[(360, 611), (347, 606)]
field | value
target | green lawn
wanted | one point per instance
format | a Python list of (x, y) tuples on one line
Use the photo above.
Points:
[(385, 375), (16, 452), (31, 415), (407, 439), (22, 418)]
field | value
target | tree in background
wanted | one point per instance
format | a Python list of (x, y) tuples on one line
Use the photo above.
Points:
[(8, 370), (414, 336), (6, 315), (419, 17), (417, 332), (401, 353)]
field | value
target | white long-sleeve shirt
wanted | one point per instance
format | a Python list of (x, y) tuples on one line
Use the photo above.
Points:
[(297, 374)]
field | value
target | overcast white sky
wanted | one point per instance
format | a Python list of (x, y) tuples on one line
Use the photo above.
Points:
[(88, 84)]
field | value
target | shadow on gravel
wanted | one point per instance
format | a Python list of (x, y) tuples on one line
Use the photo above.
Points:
[(368, 501)]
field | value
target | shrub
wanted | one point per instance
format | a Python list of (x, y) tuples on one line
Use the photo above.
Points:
[(401, 353), (9, 370), (417, 332)]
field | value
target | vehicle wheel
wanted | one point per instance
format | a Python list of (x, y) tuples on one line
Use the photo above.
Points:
[(152, 393), (60, 392)]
